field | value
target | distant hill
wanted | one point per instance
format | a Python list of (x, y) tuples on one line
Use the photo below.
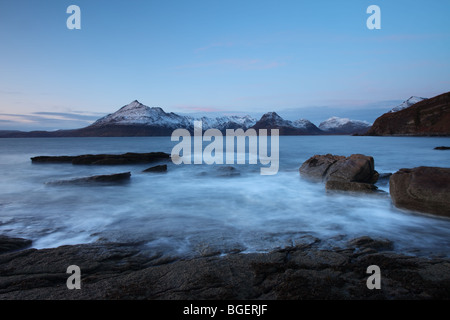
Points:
[(427, 117)]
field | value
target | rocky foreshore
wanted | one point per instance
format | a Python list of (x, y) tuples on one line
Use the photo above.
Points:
[(121, 271)]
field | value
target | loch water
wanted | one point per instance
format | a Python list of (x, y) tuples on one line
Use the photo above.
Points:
[(199, 209)]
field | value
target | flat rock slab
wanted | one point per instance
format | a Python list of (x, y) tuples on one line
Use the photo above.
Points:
[(160, 168), (120, 271), (442, 148), (102, 179), (104, 159), (424, 189)]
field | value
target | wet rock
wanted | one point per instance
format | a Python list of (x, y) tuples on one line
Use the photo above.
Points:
[(424, 189), (319, 259), (316, 167), (383, 179), (369, 243), (160, 168), (109, 178), (53, 159), (121, 271), (228, 171), (337, 185), (104, 159), (356, 168), (354, 173), (8, 244)]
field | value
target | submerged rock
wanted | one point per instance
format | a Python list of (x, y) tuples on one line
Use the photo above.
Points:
[(424, 189), (442, 148), (228, 171), (104, 159), (354, 173), (109, 178), (161, 168)]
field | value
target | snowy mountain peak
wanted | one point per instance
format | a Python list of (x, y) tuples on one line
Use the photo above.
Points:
[(271, 115), (343, 125), (136, 113), (408, 103), (274, 119)]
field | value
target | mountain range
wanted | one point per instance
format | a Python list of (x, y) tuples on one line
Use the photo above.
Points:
[(136, 119), (415, 116)]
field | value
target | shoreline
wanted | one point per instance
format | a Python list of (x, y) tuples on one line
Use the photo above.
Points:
[(119, 271)]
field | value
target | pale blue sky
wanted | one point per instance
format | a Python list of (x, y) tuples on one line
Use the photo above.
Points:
[(311, 59)]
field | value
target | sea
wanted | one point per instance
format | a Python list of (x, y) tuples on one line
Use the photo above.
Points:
[(199, 209)]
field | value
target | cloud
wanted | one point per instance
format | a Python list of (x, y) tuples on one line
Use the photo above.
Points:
[(47, 120)]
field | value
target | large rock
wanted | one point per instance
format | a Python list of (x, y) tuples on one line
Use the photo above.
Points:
[(316, 167), (354, 173), (424, 189)]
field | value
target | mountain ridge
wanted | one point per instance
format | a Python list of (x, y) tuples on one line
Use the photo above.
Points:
[(428, 117), (137, 119)]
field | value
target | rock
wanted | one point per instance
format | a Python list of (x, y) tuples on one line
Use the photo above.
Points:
[(354, 173), (383, 178), (8, 244), (115, 271), (356, 168), (54, 159), (316, 167), (424, 189), (109, 178), (104, 159), (319, 259), (338, 185), (228, 171), (161, 168), (442, 148), (366, 242)]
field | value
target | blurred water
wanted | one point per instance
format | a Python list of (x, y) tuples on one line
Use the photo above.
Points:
[(194, 209)]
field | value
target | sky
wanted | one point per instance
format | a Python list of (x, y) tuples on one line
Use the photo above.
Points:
[(302, 59)]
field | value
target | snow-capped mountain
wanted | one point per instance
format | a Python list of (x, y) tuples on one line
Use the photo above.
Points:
[(137, 114), (408, 103), (335, 125), (136, 119)]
